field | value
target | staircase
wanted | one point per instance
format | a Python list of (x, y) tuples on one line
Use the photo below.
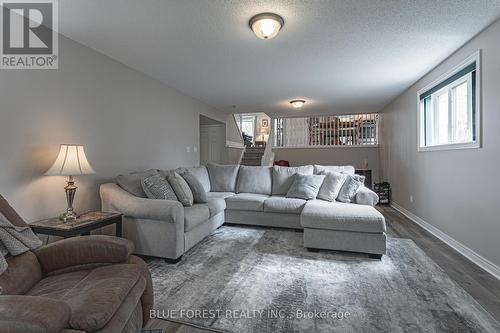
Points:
[(253, 156)]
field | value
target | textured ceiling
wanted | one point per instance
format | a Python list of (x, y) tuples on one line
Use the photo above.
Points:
[(341, 56)]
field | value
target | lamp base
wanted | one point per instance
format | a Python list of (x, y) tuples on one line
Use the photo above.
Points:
[(68, 216), (70, 190)]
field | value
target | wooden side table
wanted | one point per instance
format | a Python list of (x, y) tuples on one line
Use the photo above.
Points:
[(83, 225)]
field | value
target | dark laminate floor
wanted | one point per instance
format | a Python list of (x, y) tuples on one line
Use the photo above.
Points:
[(478, 283)]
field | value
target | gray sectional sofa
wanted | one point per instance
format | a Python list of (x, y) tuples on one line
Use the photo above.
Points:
[(252, 196)]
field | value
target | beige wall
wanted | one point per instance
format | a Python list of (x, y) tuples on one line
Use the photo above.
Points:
[(126, 120), (355, 156), (456, 191)]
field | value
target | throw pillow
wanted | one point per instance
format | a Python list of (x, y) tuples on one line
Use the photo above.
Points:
[(199, 194), (305, 186), (331, 185), (131, 182), (351, 186), (181, 189), (158, 187), (283, 177)]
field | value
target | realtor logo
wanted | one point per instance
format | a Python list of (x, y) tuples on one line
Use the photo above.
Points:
[(29, 34)]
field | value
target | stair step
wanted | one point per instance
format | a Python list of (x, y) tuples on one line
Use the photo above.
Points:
[(247, 155), (251, 161), (255, 149)]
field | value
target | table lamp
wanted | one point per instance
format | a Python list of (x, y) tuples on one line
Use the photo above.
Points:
[(70, 162)]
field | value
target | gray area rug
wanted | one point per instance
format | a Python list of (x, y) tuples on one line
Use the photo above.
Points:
[(244, 279)]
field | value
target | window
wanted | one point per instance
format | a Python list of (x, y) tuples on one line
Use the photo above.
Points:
[(449, 110), (248, 126), (326, 131)]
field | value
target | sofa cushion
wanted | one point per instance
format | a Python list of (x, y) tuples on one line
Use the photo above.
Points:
[(350, 187), (131, 182), (201, 173), (331, 186), (29, 314), (247, 201), (158, 187), (181, 188), (255, 179), (22, 274), (93, 295), (216, 206), (334, 168), (195, 215), (283, 177), (222, 177), (319, 214), (221, 195), (305, 186), (199, 193), (278, 204)]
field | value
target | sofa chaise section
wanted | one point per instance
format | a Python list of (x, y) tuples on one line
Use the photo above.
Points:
[(343, 227)]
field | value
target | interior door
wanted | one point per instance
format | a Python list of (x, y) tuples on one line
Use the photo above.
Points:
[(212, 143)]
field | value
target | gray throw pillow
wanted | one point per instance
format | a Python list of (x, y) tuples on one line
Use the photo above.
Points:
[(222, 177), (351, 186), (283, 177), (181, 188), (131, 182), (331, 186), (158, 187), (199, 194), (305, 186)]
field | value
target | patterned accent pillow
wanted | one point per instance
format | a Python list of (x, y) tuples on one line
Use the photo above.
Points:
[(351, 186), (199, 194), (157, 187), (181, 188)]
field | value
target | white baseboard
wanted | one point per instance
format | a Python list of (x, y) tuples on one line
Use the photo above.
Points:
[(482, 262)]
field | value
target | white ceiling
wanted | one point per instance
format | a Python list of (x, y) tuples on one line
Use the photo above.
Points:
[(341, 56)]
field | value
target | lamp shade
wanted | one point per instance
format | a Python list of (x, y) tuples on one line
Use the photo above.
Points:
[(71, 161)]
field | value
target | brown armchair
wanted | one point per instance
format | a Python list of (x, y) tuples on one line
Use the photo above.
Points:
[(81, 284)]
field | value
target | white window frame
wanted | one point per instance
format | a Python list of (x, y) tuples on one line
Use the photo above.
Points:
[(421, 147)]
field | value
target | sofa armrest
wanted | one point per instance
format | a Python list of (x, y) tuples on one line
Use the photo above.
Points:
[(116, 199), (33, 314), (83, 251), (365, 196)]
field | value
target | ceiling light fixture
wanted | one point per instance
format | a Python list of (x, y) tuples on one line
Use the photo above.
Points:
[(266, 25), (298, 103)]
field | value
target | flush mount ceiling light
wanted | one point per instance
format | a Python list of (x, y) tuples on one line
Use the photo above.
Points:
[(266, 25), (298, 103)]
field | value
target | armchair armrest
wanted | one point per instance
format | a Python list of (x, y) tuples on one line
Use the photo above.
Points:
[(83, 251), (365, 196), (116, 199), (33, 314)]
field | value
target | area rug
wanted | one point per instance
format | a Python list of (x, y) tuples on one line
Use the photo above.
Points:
[(244, 279)]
